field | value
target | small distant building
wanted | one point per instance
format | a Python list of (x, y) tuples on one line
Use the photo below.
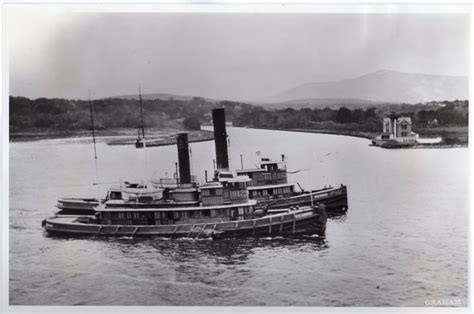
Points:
[(433, 122), (397, 130)]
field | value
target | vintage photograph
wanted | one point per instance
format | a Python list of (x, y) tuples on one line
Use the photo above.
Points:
[(216, 158)]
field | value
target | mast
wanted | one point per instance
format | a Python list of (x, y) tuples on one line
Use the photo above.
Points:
[(93, 136), (141, 111)]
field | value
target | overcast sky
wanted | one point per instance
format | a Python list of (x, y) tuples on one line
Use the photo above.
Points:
[(224, 56)]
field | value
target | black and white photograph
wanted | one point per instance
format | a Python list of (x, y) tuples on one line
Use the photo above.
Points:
[(206, 155)]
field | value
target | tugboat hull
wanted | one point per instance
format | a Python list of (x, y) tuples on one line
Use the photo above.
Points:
[(303, 221), (333, 199)]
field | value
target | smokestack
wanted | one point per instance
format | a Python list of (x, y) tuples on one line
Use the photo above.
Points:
[(183, 159), (220, 138)]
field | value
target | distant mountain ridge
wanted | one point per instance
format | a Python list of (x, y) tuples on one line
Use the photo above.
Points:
[(372, 89), (381, 86), (319, 103)]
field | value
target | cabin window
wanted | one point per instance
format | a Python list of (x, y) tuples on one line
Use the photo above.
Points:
[(115, 195), (191, 214), (145, 199), (206, 213), (404, 133), (404, 126), (212, 192)]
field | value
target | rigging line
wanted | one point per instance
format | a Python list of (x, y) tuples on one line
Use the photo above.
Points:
[(143, 133), (93, 138), (296, 171), (141, 112)]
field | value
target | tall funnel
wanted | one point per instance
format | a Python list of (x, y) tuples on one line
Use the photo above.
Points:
[(220, 138), (183, 159)]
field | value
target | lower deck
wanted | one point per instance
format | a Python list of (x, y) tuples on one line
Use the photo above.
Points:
[(172, 217)]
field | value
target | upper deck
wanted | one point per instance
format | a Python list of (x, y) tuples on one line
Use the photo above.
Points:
[(269, 173)]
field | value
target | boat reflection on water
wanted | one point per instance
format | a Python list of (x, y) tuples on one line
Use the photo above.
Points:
[(187, 250)]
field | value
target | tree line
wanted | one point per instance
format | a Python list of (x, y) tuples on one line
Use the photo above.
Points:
[(56, 114), (109, 113), (448, 113)]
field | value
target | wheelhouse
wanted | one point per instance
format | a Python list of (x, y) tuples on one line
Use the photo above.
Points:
[(269, 173)]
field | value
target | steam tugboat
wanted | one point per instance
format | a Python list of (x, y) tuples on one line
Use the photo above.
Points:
[(219, 208), (269, 186)]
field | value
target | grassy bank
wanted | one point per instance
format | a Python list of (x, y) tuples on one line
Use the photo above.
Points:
[(454, 135), (157, 137), (163, 138)]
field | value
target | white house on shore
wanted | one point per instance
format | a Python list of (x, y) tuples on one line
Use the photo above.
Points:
[(396, 130)]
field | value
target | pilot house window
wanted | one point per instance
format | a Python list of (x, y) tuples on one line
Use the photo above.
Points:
[(115, 195)]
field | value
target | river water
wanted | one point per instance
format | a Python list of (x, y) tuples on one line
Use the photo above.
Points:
[(403, 241)]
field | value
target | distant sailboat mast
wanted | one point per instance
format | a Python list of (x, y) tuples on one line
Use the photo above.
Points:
[(93, 139), (141, 114), (143, 142)]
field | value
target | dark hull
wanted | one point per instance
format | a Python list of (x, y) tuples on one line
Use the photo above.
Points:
[(392, 144), (335, 200), (305, 221)]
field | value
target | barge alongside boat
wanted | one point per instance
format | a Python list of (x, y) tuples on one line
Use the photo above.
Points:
[(270, 187)]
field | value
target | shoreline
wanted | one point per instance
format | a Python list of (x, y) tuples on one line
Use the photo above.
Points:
[(205, 134), (110, 137), (365, 135)]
